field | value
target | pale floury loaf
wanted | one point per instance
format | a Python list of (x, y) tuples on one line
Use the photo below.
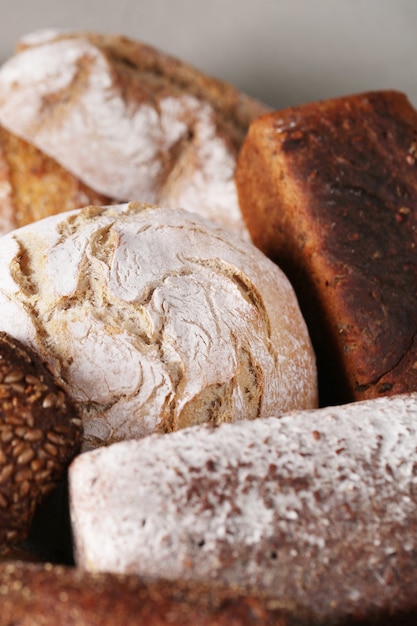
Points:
[(154, 319), (316, 508), (130, 121)]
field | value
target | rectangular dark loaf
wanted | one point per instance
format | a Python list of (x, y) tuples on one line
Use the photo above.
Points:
[(329, 191)]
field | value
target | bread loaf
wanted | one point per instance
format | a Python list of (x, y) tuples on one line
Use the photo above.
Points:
[(329, 191), (316, 508), (154, 319), (129, 121), (40, 433), (46, 595), (34, 186)]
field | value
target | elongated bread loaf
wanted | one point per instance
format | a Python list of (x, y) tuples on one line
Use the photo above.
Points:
[(46, 595), (155, 319), (128, 120), (316, 508)]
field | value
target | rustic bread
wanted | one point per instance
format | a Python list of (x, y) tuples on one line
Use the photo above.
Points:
[(46, 595), (329, 190), (315, 508), (40, 433), (34, 186), (129, 121), (155, 319)]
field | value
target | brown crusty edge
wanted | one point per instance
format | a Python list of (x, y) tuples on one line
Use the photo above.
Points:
[(36, 186), (47, 595), (33, 594), (329, 190)]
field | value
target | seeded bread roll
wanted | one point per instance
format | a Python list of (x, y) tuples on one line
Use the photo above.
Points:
[(40, 433), (155, 319), (33, 186), (315, 508), (329, 191), (129, 121)]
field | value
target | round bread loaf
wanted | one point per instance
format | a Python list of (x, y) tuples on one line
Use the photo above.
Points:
[(147, 127), (154, 319), (40, 433)]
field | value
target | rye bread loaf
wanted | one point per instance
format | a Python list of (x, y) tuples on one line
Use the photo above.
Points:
[(315, 508), (33, 186), (46, 595), (154, 319), (130, 121), (329, 191)]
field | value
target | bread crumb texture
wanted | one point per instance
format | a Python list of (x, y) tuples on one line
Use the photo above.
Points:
[(153, 319)]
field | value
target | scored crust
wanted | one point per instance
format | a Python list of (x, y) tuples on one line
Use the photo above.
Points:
[(147, 336), (131, 122)]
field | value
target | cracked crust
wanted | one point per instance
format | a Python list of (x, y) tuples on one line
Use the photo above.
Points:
[(329, 191), (150, 337), (130, 121)]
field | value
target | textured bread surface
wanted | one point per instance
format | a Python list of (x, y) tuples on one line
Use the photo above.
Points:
[(329, 190), (46, 595), (154, 319), (315, 508), (40, 433), (130, 121), (34, 186)]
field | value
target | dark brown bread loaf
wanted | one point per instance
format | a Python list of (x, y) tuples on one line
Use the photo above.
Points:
[(40, 433), (329, 190), (46, 595), (33, 185)]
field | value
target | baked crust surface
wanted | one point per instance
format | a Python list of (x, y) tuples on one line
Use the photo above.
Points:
[(329, 190)]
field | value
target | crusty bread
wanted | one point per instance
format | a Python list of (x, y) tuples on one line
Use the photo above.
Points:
[(40, 433), (46, 595), (316, 508), (131, 122), (329, 190), (33, 186), (155, 319)]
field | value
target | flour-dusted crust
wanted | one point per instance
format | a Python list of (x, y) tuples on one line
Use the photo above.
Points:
[(154, 319), (316, 508), (130, 121)]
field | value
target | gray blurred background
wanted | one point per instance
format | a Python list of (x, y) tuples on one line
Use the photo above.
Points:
[(284, 52)]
